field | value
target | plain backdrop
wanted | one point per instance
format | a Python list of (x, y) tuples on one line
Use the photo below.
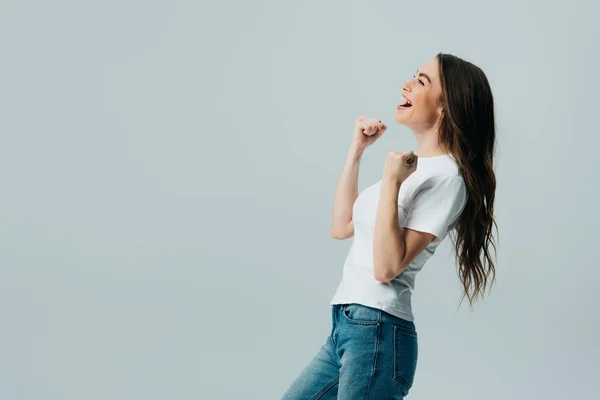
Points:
[(168, 171)]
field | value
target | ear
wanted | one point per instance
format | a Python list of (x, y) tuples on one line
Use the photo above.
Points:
[(440, 118), (440, 112)]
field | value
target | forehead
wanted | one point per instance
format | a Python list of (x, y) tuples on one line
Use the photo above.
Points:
[(430, 68)]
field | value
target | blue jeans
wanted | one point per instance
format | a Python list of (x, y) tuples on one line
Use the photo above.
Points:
[(369, 354)]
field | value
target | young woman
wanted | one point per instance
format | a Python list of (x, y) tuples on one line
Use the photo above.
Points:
[(397, 223)]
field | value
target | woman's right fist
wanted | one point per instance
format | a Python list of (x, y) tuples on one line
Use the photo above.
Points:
[(367, 130)]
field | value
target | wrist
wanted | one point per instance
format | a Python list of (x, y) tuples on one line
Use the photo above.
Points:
[(355, 147), (390, 187), (356, 151), (392, 181)]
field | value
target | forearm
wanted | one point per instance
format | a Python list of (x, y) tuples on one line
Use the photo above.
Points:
[(347, 190), (389, 247)]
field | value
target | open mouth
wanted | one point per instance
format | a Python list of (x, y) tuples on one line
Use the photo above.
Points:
[(406, 103)]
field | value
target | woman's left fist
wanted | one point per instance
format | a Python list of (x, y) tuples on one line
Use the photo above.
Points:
[(399, 166)]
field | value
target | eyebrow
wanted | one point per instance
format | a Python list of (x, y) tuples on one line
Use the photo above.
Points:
[(425, 75)]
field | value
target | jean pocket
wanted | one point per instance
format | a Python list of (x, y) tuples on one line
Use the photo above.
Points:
[(360, 315), (405, 355)]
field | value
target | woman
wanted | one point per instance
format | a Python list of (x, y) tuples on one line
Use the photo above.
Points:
[(398, 222)]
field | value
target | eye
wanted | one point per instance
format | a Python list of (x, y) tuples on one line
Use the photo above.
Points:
[(420, 81)]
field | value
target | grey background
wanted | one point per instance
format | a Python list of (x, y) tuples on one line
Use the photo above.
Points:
[(168, 171)]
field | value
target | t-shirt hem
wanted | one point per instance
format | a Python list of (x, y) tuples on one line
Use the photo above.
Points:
[(439, 233), (393, 311)]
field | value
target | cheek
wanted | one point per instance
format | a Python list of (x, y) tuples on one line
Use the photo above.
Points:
[(424, 110), (430, 106)]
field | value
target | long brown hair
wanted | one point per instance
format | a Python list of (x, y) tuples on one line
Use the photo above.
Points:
[(468, 132)]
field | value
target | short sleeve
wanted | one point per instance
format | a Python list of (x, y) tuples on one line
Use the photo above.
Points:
[(438, 202)]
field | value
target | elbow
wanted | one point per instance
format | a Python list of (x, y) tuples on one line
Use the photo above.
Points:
[(382, 274), (381, 278), (335, 234), (388, 274), (341, 235), (342, 231)]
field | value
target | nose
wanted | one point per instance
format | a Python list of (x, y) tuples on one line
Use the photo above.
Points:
[(407, 86)]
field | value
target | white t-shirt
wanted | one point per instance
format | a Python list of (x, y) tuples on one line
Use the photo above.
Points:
[(430, 200)]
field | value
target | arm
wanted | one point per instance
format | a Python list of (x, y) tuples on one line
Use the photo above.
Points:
[(346, 193), (394, 248)]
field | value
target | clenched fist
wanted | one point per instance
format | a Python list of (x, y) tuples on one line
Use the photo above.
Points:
[(367, 130), (399, 166)]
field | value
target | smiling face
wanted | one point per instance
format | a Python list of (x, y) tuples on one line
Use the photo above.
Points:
[(421, 106)]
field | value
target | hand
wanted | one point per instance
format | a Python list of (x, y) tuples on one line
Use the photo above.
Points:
[(399, 166), (367, 130)]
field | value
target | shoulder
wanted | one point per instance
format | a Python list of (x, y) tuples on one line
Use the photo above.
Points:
[(442, 180), (439, 171), (441, 189), (438, 174)]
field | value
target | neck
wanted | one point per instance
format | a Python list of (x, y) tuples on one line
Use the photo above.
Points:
[(428, 142)]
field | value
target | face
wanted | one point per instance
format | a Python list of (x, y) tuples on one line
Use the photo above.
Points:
[(423, 109)]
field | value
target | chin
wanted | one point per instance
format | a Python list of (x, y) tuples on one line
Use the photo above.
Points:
[(401, 119)]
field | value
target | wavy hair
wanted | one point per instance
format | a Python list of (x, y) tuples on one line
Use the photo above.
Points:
[(468, 132)]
